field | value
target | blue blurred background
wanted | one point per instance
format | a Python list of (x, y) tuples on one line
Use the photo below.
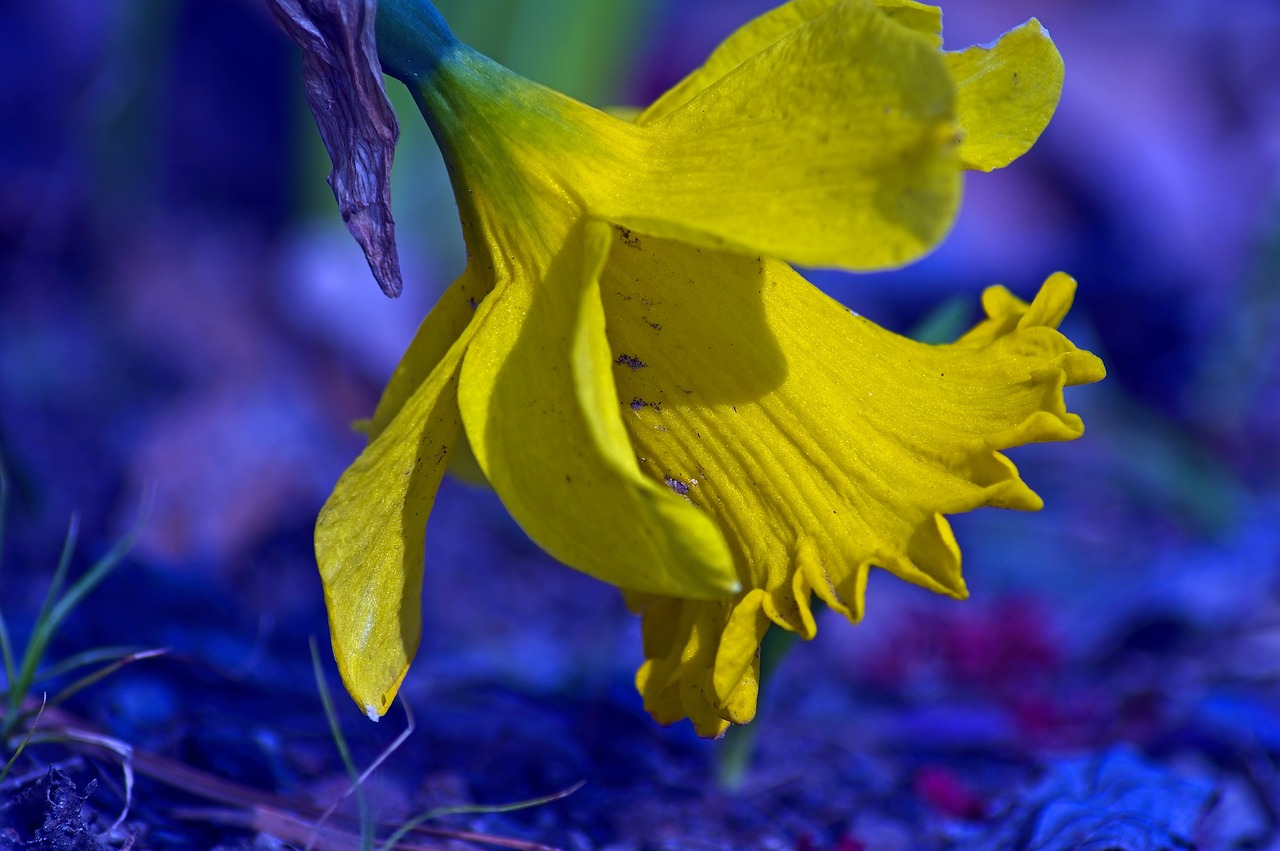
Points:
[(182, 313)]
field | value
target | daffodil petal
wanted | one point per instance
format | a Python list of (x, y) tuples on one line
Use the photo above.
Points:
[(918, 17), (834, 147), (1006, 313), (670, 684), (539, 404), (686, 675), (446, 321), (435, 336), (1006, 95), (739, 648), (370, 535), (770, 28), (822, 444)]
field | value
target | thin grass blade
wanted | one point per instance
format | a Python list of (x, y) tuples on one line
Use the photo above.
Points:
[(44, 629), (105, 671), (57, 605), (4, 772), (386, 753), (4, 502), (367, 824), (60, 572), (6, 651), (440, 812), (6, 645), (101, 569), (95, 656)]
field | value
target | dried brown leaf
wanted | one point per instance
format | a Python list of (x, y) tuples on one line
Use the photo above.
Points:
[(343, 81)]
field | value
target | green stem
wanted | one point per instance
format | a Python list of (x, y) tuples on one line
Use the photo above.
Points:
[(739, 744), (412, 39)]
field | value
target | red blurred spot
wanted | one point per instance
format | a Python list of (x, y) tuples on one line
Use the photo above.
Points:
[(845, 843), (941, 789)]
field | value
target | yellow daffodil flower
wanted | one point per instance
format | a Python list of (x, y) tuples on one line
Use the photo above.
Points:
[(657, 397)]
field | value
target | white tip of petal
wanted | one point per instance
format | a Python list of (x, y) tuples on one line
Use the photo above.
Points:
[(372, 713)]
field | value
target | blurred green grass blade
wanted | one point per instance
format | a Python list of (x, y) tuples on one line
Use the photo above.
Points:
[(43, 631), (6, 646), (60, 572), (101, 569), (4, 503), (6, 651), (1241, 364), (1166, 468), (4, 772), (55, 610), (580, 47), (945, 323), (102, 673), (84, 659)]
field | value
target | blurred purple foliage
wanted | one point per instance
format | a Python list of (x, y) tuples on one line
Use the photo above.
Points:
[(181, 310), (1109, 801)]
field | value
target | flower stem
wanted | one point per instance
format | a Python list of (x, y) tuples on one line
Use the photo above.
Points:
[(739, 745), (412, 39)]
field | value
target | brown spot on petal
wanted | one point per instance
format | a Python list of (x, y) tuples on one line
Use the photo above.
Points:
[(629, 361)]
